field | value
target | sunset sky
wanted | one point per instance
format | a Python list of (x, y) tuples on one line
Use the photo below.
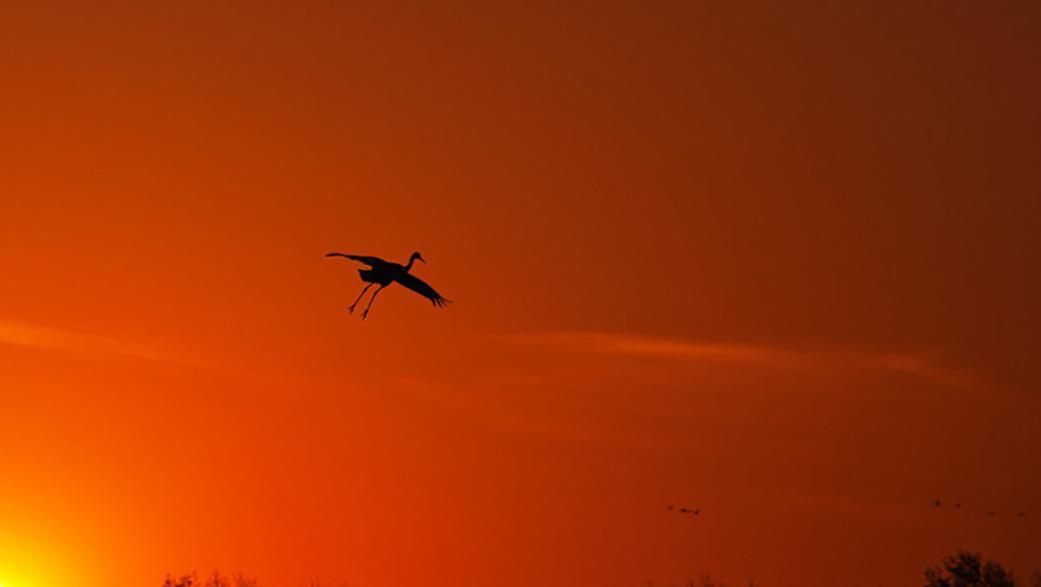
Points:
[(775, 260)]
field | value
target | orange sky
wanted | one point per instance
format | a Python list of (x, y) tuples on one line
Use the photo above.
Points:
[(777, 263)]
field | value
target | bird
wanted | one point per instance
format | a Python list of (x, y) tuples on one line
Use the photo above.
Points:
[(936, 503), (384, 273), (696, 512), (957, 505), (1021, 515), (671, 507), (684, 510), (992, 513)]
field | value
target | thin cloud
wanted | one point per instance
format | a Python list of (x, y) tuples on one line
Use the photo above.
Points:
[(647, 347), (643, 346), (921, 367), (60, 340)]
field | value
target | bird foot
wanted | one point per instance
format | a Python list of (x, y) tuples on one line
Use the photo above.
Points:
[(350, 308), (365, 314)]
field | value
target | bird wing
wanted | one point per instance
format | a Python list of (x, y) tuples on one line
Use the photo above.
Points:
[(422, 288), (370, 261)]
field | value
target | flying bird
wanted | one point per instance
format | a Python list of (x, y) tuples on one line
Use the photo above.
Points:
[(696, 512), (671, 507), (684, 510), (992, 513), (936, 503), (1021, 515), (957, 505), (384, 273)]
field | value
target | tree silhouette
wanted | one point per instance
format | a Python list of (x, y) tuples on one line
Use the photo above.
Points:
[(183, 581), (966, 569), (215, 580)]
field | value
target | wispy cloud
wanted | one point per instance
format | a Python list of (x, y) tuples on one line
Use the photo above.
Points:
[(644, 346), (17, 334), (648, 347)]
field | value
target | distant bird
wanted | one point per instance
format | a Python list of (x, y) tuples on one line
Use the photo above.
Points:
[(1021, 515), (384, 273), (936, 503), (671, 507), (957, 505), (696, 512), (684, 510), (992, 513)]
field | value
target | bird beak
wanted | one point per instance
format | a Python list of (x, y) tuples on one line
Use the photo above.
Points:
[(420, 257)]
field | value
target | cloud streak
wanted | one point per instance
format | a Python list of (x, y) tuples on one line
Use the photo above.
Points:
[(649, 347), (25, 335), (654, 348)]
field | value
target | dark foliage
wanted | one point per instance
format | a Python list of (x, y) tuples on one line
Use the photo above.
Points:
[(966, 569), (214, 580)]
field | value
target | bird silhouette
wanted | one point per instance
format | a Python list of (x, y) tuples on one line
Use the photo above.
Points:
[(384, 273), (684, 510), (1021, 515), (936, 503), (696, 512), (957, 505), (992, 513), (671, 507)]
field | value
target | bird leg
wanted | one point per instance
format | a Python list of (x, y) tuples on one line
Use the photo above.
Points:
[(372, 299), (350, 308)]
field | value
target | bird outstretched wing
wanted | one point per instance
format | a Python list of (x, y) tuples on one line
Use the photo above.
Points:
[(422, 288), (370, 261)]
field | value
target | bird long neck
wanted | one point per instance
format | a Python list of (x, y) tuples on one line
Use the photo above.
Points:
[(411, 260)]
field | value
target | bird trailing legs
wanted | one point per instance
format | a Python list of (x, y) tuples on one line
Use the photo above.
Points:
[(372, 299), (350, 308)]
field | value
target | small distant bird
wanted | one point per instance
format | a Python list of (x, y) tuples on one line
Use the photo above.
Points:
[(992, 513), (936, 503), (384, 273), (957, 505), (696, 512), (684, 510), (671, 507), (1021, 515)]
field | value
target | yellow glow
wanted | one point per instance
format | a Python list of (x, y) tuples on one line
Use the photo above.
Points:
[(29, 563)]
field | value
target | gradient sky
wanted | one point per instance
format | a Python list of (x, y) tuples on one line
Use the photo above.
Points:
[(776, 262)]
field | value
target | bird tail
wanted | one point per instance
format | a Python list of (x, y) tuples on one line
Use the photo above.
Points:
[(366, 274)]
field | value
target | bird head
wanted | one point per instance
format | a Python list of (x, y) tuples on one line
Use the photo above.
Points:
[(418, 256)]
